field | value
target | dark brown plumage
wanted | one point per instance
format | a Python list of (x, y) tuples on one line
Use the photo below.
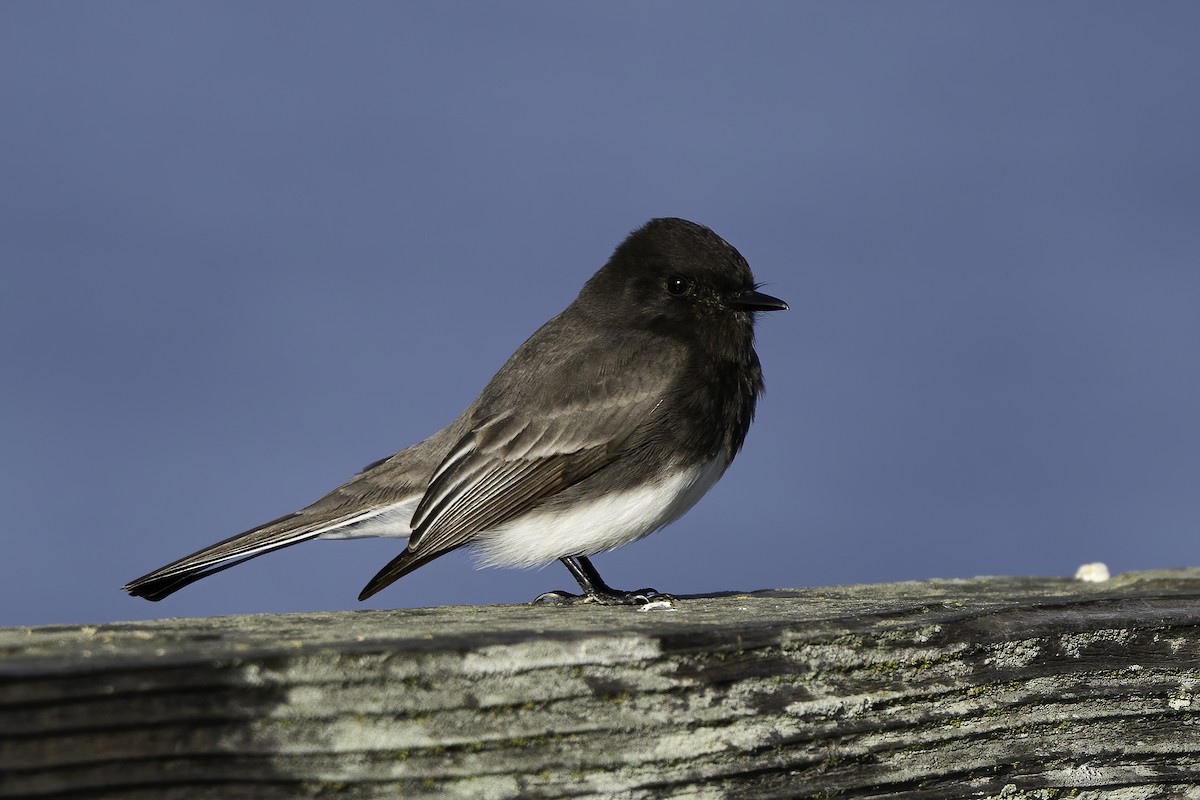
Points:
[(606, 424)]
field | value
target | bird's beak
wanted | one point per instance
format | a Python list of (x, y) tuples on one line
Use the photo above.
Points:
[(750, 300)]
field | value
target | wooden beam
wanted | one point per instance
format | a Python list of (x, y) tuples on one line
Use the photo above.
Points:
[(992, 687)]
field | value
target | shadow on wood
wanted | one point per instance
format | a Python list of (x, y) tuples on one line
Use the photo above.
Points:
[(992, 687)]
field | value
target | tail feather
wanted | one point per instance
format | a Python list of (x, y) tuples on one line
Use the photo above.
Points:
[(283, 532), (376, 502), (154, 586)]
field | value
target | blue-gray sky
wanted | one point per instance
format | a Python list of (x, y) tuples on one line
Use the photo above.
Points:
[(247, 248)]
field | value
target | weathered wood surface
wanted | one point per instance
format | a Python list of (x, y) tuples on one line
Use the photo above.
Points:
[(993, 687)]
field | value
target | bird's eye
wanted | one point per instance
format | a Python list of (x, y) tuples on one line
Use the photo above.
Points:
[(677, 284)]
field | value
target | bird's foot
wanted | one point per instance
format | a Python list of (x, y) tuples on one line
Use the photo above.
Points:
[(605, 597), (595, 590)]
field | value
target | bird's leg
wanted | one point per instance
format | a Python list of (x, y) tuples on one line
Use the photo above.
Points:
[(595, 590)]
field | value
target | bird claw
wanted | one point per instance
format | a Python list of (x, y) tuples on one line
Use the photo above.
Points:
[(557, 597), (611, 597)]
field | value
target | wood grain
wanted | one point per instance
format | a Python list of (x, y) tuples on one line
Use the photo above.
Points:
[(992, 687)]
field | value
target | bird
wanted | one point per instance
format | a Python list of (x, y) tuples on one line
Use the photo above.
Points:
[(608, 423)]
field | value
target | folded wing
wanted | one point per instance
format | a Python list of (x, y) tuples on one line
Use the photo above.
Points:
[(511, 462)]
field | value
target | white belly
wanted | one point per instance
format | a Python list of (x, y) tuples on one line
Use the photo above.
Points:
[(616, 519)]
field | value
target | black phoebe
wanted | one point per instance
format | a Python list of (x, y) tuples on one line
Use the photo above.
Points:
[(608, 423)]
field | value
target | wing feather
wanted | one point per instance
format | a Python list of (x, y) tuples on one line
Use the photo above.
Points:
[(512, 458)]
